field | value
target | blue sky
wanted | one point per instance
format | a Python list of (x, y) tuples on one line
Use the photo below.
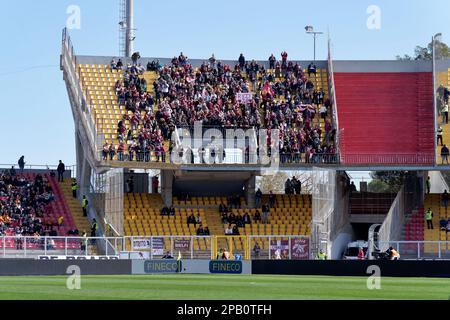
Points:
[(36, 117)]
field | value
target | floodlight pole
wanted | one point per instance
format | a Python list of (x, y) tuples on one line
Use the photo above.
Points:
[(130, 28), (435, 112), (309, 30)]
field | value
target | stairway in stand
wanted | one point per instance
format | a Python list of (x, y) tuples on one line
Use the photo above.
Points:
[(425, 144), (215, 225), (74, 206), (214, 221)]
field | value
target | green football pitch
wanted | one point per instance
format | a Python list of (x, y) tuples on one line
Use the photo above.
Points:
[(220, 287)]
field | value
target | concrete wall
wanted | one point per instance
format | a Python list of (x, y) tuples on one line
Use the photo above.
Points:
[(199, 183), (141, 182), (355, 268), (382, 66), (28, 267), (340, 230)]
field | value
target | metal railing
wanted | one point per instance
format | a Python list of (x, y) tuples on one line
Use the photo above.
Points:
[(155, 247), (270, 247), (388, 159), (31, 167), (29, 247), (237, 157), (419, 250)]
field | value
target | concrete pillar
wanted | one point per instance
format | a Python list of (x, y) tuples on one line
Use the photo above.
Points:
[(83, 173), (167, 186), (250, 190)]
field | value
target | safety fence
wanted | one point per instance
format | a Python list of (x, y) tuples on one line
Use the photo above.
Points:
[(270, 247), (254, 247), (69, 170), (210, 156), (29, 247), (387, 159), (417, 250)]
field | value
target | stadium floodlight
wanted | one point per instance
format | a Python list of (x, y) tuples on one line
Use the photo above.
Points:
[(310, 30)]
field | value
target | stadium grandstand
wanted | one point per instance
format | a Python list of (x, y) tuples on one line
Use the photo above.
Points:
[(173, 150), (256, 158)]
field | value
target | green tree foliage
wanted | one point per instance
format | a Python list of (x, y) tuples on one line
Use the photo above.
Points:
[(378, 186), (387, 181), (426, 53)]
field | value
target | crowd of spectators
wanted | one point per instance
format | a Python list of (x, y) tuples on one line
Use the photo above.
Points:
[(147, 129), (236, 221), (23, 205), (286, 99)]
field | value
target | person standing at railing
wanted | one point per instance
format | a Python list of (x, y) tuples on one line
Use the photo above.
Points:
[(297, 185), (61, 169), (445, 114), (112, 151), (440, 135), (445, 153), (429, 218), (94, 228), (258, 197), (445, 198), (83, 242), (428, 185), (21, 163)]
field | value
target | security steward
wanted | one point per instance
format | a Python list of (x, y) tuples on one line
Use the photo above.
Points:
[(429, 218), (84, 204), (74, 188), (321, 255)]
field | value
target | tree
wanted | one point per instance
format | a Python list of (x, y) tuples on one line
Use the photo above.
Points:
[(276, 182), (379, 186), (388, 181), (426, 53)]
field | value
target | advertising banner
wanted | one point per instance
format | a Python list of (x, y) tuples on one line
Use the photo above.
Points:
[(279, 249), (244, 97), (158, 246), (162, 266), (78, 258), (182, 245), (141, 243), (300, 248), (230, 267)]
